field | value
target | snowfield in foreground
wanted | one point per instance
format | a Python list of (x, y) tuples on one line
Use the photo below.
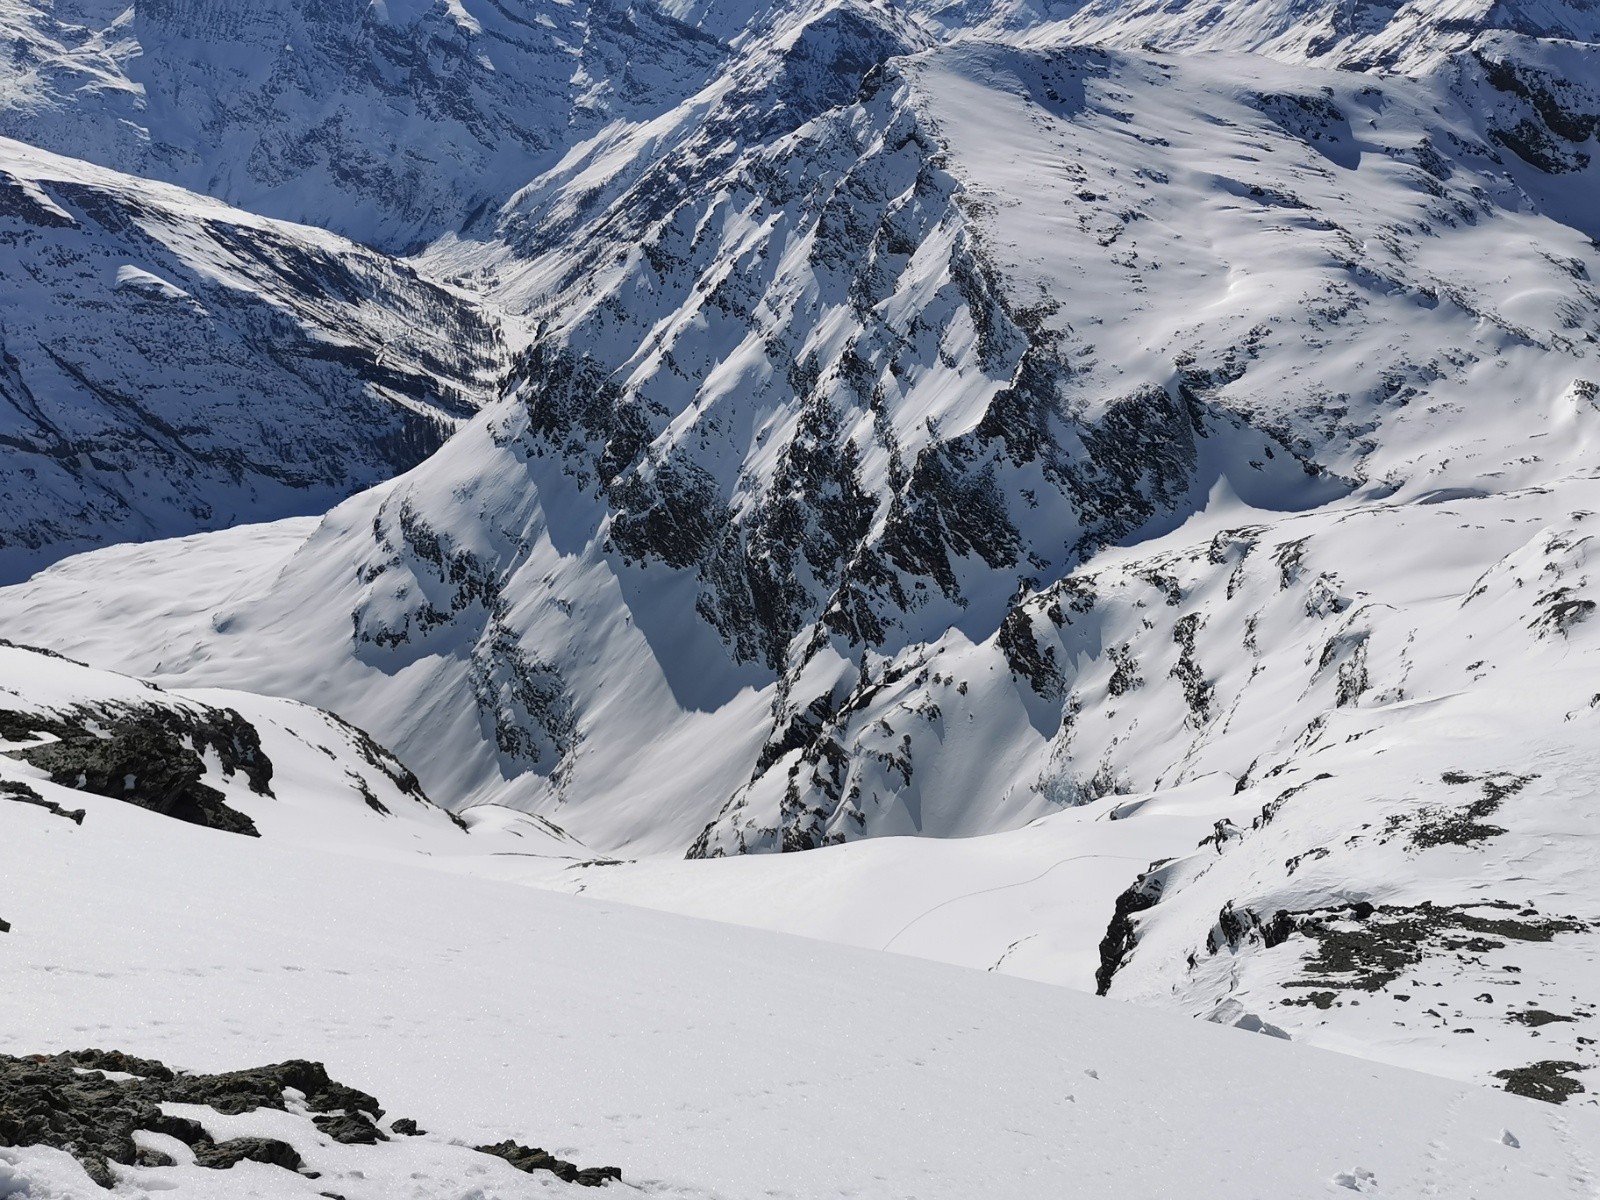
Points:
[(704, 1060)]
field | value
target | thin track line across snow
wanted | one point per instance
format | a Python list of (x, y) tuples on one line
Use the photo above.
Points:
[(901, 932)]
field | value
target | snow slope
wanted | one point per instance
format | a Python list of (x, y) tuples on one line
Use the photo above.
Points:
[(389, 122), (1170, 472), (700, 578), (172, 364), (703, 1059), (292, 771)]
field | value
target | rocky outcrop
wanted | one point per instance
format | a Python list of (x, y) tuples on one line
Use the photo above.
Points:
[(531, 1159), (92, 1103), (147, 755)]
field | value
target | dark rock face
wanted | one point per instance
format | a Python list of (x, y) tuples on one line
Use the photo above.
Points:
[(1121, 933), (1549, 118), (46, 1101), (23, 794), (64, 1101), (148, 755), (531, 1159)]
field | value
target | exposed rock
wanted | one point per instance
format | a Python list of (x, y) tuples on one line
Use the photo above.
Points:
[(1550, 1080), (1439, 825), (23, 794), (1535, 1017), (531, 1159), (1121, 934), (1365, 948), (149, 755), (219, 1156), (351, 1129), (65, 1101)]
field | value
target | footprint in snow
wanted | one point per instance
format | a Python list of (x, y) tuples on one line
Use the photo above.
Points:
[(1507, 1138), (1358, 1180)]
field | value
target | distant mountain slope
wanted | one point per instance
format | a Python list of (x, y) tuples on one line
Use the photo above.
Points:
[(1391, 35), (389, 121), (788, 528), (171, 364)]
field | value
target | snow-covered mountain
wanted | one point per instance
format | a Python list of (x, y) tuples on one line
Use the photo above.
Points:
[(1086, 430), (172, 364), (852, 412), (388, 121)]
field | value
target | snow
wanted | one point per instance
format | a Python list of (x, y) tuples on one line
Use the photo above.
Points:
[(703, 1059), (175, 364), (1029, 452)]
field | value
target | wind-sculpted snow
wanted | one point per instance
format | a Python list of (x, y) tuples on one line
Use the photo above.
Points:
[(171, 364)]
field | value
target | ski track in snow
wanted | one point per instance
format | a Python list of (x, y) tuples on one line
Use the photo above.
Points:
[(1002, 887)]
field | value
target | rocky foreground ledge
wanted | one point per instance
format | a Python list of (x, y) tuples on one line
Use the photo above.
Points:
[(90, 1103)]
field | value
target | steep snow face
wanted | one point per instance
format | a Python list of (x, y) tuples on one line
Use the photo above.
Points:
[(1361, 35), (389, 121), (171, 364)]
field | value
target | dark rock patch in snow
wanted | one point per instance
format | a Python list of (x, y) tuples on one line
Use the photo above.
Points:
[(1441, 825), (1550, 1080), (531, 1159), (1366, 948), (65, 1101), (148, 755), (23, 794), (68, 1102), (1535, 1017)]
